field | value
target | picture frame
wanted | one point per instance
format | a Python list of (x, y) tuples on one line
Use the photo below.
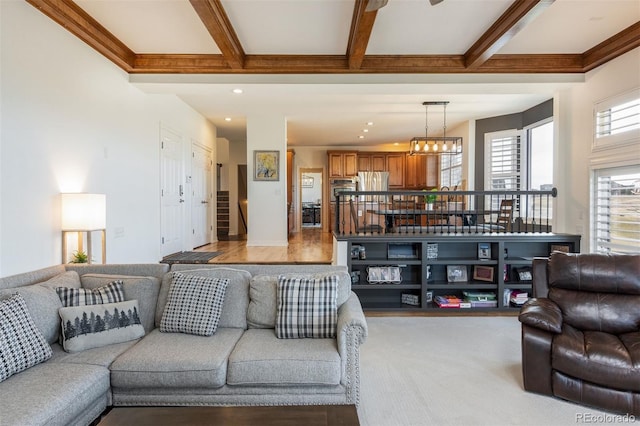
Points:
[(483, 273), (484, 251), (524, 274), (266, 165), (457, 273), (384, 274), (564, 248)]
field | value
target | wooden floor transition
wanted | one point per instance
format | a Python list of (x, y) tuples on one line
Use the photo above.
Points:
[(311, 246)]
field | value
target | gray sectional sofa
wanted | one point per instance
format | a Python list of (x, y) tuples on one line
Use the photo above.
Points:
[(243, 363)]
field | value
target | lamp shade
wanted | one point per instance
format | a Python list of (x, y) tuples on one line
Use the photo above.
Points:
[(83, 212)]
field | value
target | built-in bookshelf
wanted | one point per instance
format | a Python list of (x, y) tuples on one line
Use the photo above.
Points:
[(484, 272)]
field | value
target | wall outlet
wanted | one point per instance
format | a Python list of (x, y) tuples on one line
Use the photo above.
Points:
[(118, 232), (359, 213)]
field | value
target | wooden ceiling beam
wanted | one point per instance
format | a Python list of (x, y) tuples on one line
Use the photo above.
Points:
[(619, 44), (215, 19), (339, 64), (361, 27), (79, 23), (514, 19)]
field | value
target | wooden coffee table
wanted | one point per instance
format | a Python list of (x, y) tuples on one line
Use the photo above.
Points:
[(307, 415)]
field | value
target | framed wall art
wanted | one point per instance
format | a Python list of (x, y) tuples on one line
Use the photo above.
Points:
[(266, 165)]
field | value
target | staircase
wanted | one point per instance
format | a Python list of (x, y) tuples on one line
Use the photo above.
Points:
[(223, 213)]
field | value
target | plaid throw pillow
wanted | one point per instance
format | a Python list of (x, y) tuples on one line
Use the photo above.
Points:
[(194, 305), (22, 345), (307, 308), (110, 293)]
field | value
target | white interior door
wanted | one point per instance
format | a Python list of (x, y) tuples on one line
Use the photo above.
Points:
[(202, 195), (172, 192)]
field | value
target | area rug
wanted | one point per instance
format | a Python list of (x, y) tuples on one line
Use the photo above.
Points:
[(190, 257)]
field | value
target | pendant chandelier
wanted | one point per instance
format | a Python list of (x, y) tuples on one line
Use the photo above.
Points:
[(440, 145)]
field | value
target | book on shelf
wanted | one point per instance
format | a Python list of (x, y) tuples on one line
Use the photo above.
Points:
[(449, 301), (518, 297), (480, 299)]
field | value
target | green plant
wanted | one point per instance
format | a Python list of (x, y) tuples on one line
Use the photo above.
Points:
[(79, 256), (430, 198)]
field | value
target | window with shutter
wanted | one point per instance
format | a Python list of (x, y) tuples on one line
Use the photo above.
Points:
[(615, 226), (617, 120)]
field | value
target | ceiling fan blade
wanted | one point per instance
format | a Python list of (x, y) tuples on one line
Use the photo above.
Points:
[(375, 5), (434, 2)]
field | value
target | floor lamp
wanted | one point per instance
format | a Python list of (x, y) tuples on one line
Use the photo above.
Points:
[(84, 213)]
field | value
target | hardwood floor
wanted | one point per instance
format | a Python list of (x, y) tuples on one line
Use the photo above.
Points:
[(311, 245)]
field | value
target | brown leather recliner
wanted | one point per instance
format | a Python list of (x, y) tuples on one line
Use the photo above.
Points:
[(581, 331)]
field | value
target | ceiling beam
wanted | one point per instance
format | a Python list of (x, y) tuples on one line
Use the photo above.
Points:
[(372, 64), (514, 19), (79, 23), (215, 19), (619, 44), (361, 27)]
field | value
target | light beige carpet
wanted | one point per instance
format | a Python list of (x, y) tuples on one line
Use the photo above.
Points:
[(453, 371)]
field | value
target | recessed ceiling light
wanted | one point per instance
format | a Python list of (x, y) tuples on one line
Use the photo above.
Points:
[(227, 119), (237, 91), (370, 123), (365, 130), (360, 137)]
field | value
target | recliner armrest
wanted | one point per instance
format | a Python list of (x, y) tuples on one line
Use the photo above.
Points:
[(542, 313)]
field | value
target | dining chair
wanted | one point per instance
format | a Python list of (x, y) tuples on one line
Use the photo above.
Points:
[(369, 228), (505, 215)]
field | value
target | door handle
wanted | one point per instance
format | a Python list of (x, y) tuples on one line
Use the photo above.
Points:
[(181, 200), (204, 202)]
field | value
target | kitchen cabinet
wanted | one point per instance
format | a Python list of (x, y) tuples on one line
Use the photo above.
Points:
[(372, 162), (395, 163), (421, 171), (342, 163)]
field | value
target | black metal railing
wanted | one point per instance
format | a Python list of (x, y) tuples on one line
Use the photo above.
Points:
[(443, 212)]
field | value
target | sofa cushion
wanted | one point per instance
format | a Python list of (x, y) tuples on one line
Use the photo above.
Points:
[(110, 293), (602, 358), (43, 304), (260, 358), (143, 289), (102, 356), (93, 326), (66, 279), (263, 293), (307, 308), (193, 305), (176, 360), (236, 298), (22, 345), (54, 394)]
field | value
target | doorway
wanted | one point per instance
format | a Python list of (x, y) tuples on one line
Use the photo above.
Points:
[(171, 192), (202, 195), (311, 208)]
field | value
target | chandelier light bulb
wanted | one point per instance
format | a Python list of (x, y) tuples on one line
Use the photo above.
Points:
[(435, 147)]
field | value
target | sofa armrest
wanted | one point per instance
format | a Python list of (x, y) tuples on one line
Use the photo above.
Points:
[(350, 314), (542, 313), (352, 331)]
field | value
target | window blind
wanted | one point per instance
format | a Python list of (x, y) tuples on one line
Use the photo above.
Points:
[(616, 216)]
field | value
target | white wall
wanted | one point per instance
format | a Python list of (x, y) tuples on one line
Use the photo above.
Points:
[(72, 122), (267, 219), (573, 110)]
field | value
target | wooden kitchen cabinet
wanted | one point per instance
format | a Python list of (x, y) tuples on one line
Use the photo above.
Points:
[(395, 166), (372, 162), (342, 163), (415, 172), (421, 171)]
